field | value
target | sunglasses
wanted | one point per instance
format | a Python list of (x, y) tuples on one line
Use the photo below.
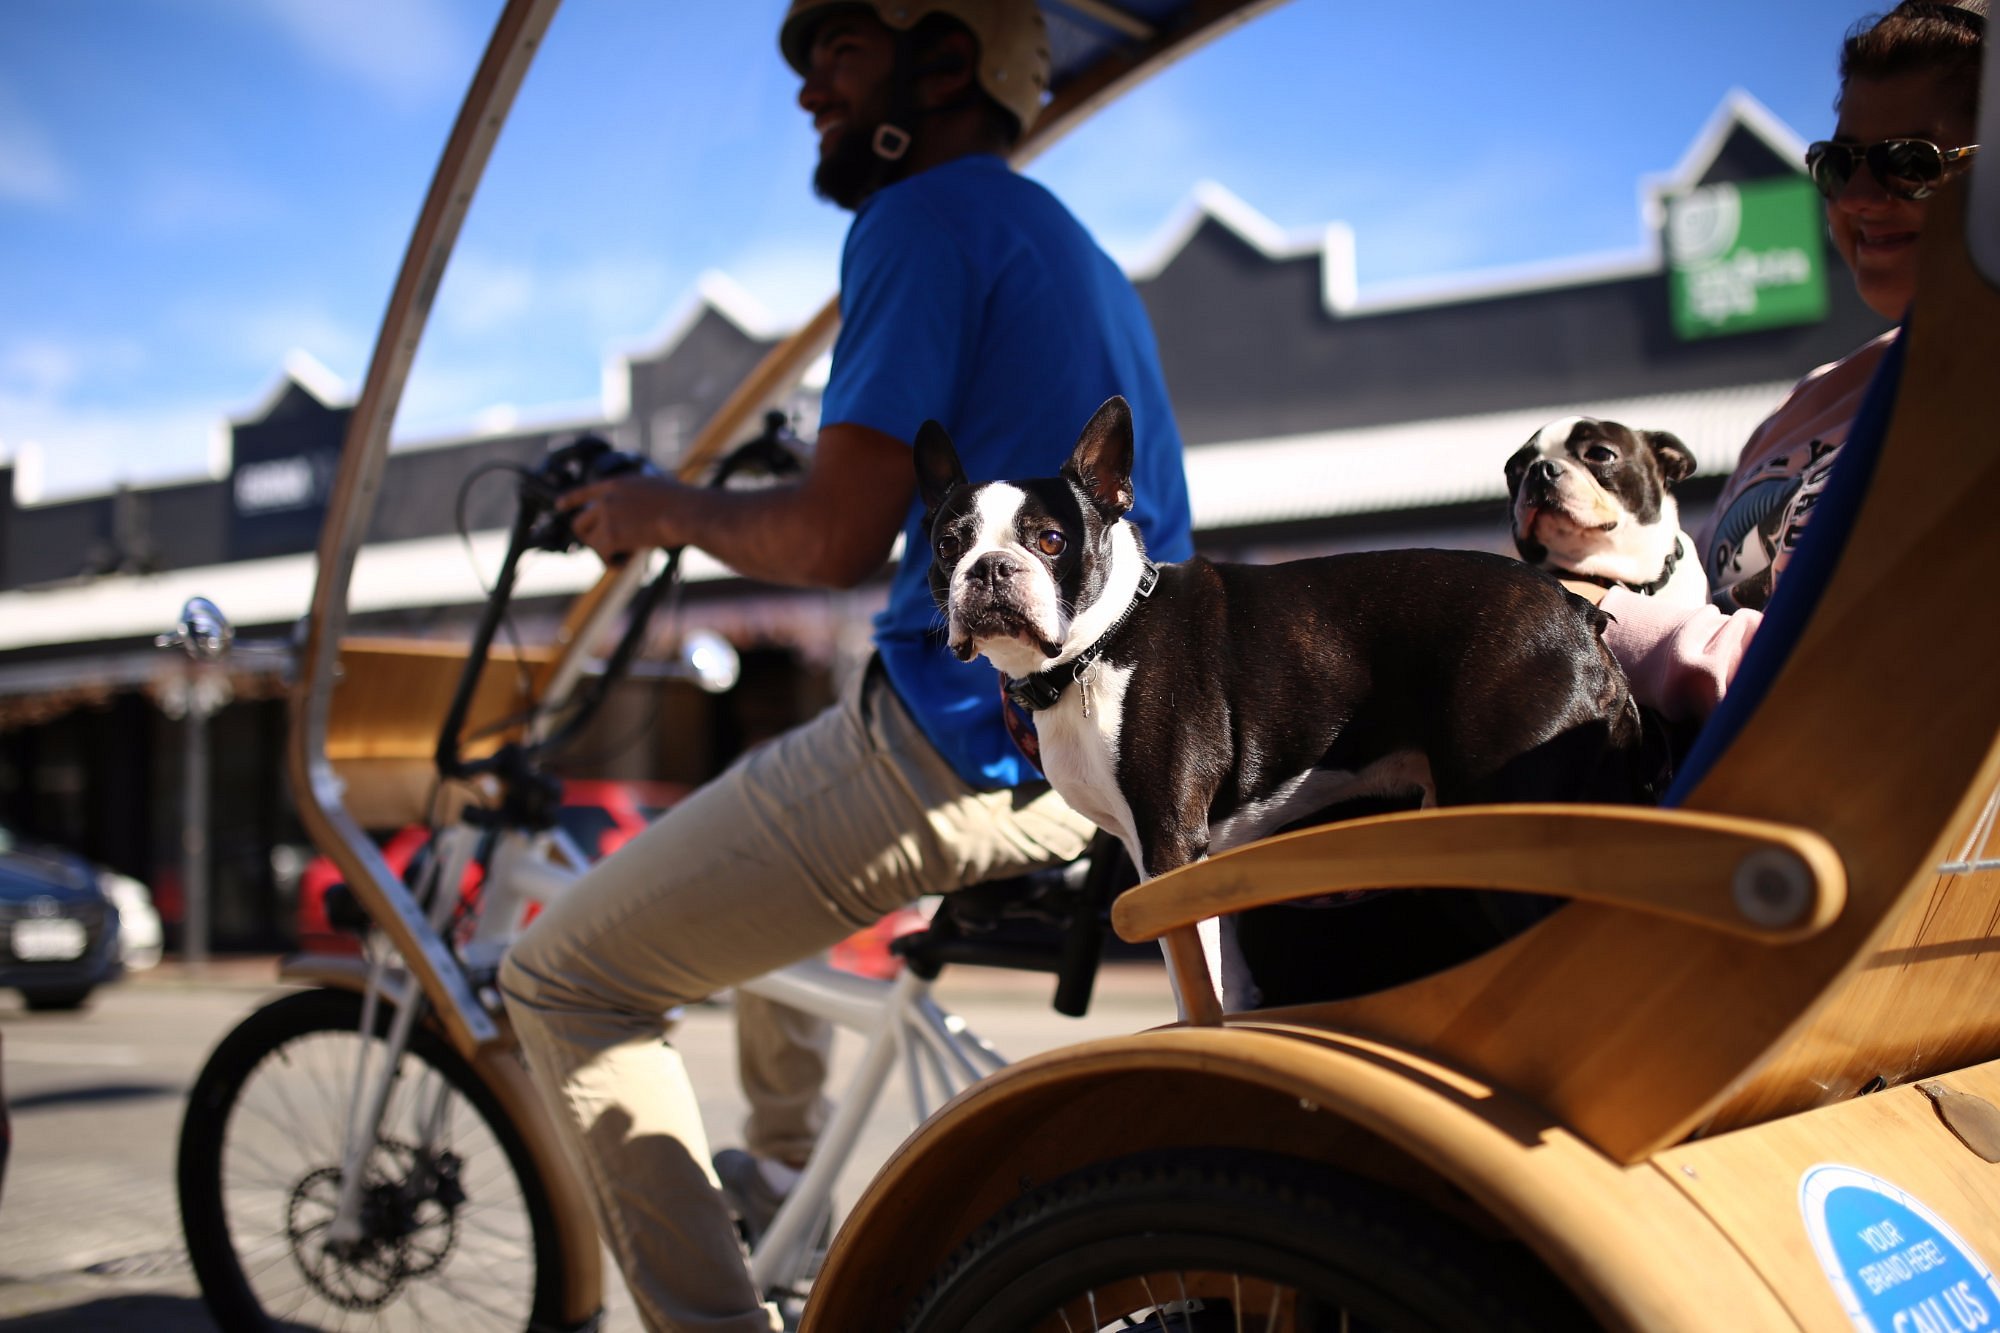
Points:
[(1906, 168)]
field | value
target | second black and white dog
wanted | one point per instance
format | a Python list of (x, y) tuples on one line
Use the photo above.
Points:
[(1192, 707), (1594, 500)]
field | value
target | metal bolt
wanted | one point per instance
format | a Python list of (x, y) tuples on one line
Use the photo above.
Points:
[(1772, 887)]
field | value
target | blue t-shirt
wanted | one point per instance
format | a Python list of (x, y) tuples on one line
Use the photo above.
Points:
[(970, 296)]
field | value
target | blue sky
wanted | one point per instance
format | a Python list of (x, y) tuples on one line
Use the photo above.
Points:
[(191, 191)]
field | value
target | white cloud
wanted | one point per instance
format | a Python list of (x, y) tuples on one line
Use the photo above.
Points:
[(61, 447), (260, 337), (791, 282), (77, 451), (409, 50), (1126, 171), (484, 295), (38, 368), (31, 172), (1455, 221), (610, 294), (187, 201), (481, 293)]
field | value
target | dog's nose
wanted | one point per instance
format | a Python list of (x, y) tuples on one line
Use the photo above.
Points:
[(992, 569), (1545, 471)]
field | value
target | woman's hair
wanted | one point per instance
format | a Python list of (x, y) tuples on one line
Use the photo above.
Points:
[(1922, 35)]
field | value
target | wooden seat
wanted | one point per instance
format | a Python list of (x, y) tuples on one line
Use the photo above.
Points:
[(1640, 1015)]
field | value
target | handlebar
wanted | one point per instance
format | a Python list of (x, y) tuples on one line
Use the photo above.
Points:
[(539, 524)]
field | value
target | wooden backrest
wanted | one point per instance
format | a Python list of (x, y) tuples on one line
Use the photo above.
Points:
[(382, 723), (1879, 731)]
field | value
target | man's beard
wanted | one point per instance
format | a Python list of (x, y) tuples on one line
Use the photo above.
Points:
[(851, 171)]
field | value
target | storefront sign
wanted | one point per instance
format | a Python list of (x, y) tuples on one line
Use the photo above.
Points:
[(1746, 256)]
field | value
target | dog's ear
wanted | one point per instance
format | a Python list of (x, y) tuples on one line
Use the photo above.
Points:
[(939, 472), (1676, 459), (1102, 461)]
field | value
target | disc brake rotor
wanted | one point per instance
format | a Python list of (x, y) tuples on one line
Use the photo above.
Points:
[(409, 1225)]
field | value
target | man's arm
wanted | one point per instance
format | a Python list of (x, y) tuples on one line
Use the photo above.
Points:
[(832, 529)]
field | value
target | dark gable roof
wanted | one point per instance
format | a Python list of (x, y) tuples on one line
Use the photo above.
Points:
[(1745, 155)]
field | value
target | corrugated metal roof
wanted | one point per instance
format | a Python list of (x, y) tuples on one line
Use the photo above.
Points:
[(1420, 464)]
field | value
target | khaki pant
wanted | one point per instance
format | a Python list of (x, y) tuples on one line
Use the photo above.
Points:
[(800, 843)]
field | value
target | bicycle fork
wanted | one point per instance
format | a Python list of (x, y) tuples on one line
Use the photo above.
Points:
[(373, 1082)]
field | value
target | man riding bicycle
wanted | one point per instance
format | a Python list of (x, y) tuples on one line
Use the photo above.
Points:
[(969, 296)]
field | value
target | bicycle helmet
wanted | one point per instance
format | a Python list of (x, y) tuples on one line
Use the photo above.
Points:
[(1013, 42)]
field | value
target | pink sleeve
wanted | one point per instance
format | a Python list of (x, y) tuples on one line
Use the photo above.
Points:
[(1678, 661)]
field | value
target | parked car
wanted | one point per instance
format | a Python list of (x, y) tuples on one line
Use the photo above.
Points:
[(141, 939), (600, 815), (59, 928)]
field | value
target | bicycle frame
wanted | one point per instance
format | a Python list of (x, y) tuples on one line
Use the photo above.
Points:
[(899, 1022)]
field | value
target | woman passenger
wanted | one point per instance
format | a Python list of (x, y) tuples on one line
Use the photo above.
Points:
[(1909, 95)]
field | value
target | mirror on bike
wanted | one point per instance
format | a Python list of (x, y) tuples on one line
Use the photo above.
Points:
[(708, 660), (203, 631)]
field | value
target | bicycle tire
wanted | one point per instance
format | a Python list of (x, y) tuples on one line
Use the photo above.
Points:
[(468, 1242), (1201, 1240)]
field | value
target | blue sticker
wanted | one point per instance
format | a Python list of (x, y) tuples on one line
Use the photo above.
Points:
[(1894, 1264)]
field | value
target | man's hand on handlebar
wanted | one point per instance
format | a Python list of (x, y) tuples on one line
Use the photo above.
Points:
[(620, 515)]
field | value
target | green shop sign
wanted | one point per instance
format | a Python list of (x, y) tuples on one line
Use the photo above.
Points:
[(1746, 256)]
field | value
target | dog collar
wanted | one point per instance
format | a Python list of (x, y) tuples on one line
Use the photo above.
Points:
[(1643, 589), (1042, 689)]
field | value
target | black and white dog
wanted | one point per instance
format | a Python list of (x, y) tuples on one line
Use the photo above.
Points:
[(1594, 500), (1192, 707)]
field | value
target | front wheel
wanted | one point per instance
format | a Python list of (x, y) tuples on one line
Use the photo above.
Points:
[(1216, 1241), (456, 1228)]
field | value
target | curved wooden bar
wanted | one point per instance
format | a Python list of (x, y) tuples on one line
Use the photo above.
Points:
[(317, 790), (1671, 863)]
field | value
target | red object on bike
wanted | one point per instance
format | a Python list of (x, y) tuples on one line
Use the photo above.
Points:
[(601, 815), (866, 952)]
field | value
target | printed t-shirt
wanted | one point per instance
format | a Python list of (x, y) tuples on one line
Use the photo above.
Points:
[(1763, 510)]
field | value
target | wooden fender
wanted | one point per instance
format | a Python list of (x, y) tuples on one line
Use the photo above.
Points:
[(1622, 1237), (500, 1068)]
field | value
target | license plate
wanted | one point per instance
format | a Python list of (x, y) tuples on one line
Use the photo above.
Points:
[(48, 940)]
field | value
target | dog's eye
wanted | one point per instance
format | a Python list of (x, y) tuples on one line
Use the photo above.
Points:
[(945, 545), (1051, 542), (1600, 453)]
